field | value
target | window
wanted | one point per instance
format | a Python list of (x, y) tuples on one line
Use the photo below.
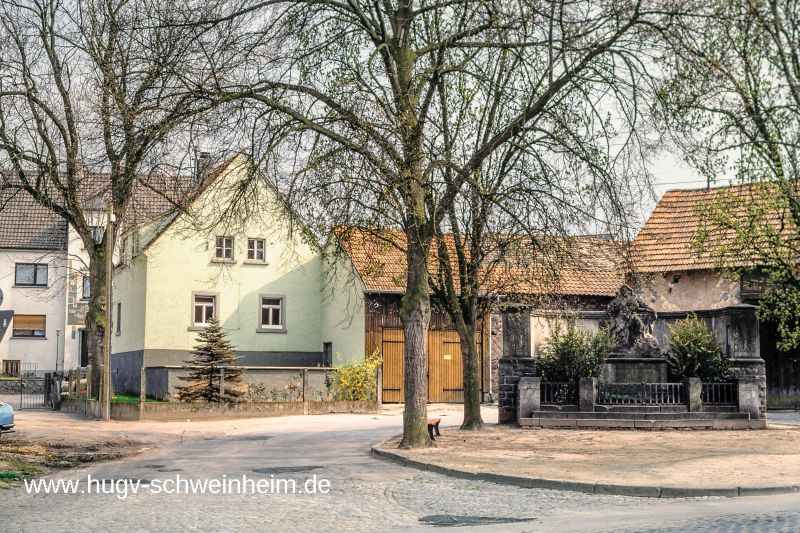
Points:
[(29, 326), (255, 249), (224, 248), (123, 252), (118, 325), (204, 309), (327, 354), (31, 275), (271, 312), (11, 367), (86, 288)]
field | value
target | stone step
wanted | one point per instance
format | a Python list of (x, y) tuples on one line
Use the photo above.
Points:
[(630, 423), (640, 415)]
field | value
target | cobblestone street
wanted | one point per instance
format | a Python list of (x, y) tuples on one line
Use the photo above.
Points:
[(366, 494)]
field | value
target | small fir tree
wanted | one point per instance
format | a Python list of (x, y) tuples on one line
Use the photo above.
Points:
[(212, 352)]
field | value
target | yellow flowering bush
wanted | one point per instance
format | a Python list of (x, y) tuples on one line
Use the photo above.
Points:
[(356, 382)]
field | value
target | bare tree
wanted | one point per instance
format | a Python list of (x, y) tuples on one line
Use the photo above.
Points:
[(732, 100), (510, 235), (102, 99), (355, 90)]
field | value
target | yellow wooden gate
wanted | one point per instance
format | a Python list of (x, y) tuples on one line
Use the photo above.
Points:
[(392, 350), (445, 366)]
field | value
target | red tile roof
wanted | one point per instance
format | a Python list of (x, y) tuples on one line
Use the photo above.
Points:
[(668, 241), (579, 266)]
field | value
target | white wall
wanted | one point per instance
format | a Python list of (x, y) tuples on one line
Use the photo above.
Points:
[(39, 352)]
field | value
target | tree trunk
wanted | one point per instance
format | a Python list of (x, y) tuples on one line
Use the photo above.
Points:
[(95, 316), (415, 314), (472, 378)]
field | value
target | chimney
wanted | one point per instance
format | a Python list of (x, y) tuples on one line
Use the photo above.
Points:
[(202, 164)]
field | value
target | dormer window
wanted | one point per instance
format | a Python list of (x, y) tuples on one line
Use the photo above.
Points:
[(224, 248)]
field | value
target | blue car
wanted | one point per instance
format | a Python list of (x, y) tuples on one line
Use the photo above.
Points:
[(6, 417)]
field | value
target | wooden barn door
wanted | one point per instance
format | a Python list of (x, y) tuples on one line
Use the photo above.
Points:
[(445, 366), (445, 373), (392, 349)]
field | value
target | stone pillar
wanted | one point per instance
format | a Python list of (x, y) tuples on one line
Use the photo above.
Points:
[(511, 369), (517, 333), (753, 369), (588, 394), (516, 362), (749, 401), (694, 388), (528, 396)]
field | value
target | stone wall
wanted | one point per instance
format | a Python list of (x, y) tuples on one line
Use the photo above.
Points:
[(15, 386), (267, 383), (735, 328), (692, 290), (167, 411), (511, 369)]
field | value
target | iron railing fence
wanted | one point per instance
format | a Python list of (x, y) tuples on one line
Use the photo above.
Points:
[(722, 393), (558, 392), (641, 394)]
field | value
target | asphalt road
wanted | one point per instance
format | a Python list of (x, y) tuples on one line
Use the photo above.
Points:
[(365, 494)]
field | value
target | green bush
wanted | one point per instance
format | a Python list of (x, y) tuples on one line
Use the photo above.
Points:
[(694, 352), (571, 353), (356, 382)]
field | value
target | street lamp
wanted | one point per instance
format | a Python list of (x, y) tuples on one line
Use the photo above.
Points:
[(58, 333), (100, 213), (106, 392)]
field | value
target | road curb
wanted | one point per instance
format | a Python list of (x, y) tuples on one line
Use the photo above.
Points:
[(641, 491)]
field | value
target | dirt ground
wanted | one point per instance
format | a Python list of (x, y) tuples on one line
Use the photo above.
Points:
[(42, 448), (674, 458)]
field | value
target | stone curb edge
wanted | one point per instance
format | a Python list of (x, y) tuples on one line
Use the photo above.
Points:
[(642, 491)]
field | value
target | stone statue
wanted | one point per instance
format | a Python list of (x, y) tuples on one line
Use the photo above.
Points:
[(631, 323)]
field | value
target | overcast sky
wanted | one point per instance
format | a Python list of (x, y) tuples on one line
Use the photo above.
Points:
[(671, 172)]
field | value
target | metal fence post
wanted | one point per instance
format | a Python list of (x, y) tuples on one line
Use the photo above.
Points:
[(379, 385), (89, 372)]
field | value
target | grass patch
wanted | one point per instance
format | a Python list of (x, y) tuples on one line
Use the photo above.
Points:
[(130, 398), (17, 470)]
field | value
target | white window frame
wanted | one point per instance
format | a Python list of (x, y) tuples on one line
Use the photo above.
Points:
[(214, 304), (118, 324), (280, 307), (252, 251), (221, 249)]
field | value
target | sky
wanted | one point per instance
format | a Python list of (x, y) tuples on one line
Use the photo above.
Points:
[(671, 172)]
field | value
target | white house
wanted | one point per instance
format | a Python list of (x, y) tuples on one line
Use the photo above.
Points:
[(40, 292)]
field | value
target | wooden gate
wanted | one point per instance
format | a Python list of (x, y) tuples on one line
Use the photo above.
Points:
[(445, 373), (392, 350), (445, 366)]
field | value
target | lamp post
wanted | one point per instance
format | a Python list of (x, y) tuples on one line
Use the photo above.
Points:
[(105, 395), (58, 333)]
